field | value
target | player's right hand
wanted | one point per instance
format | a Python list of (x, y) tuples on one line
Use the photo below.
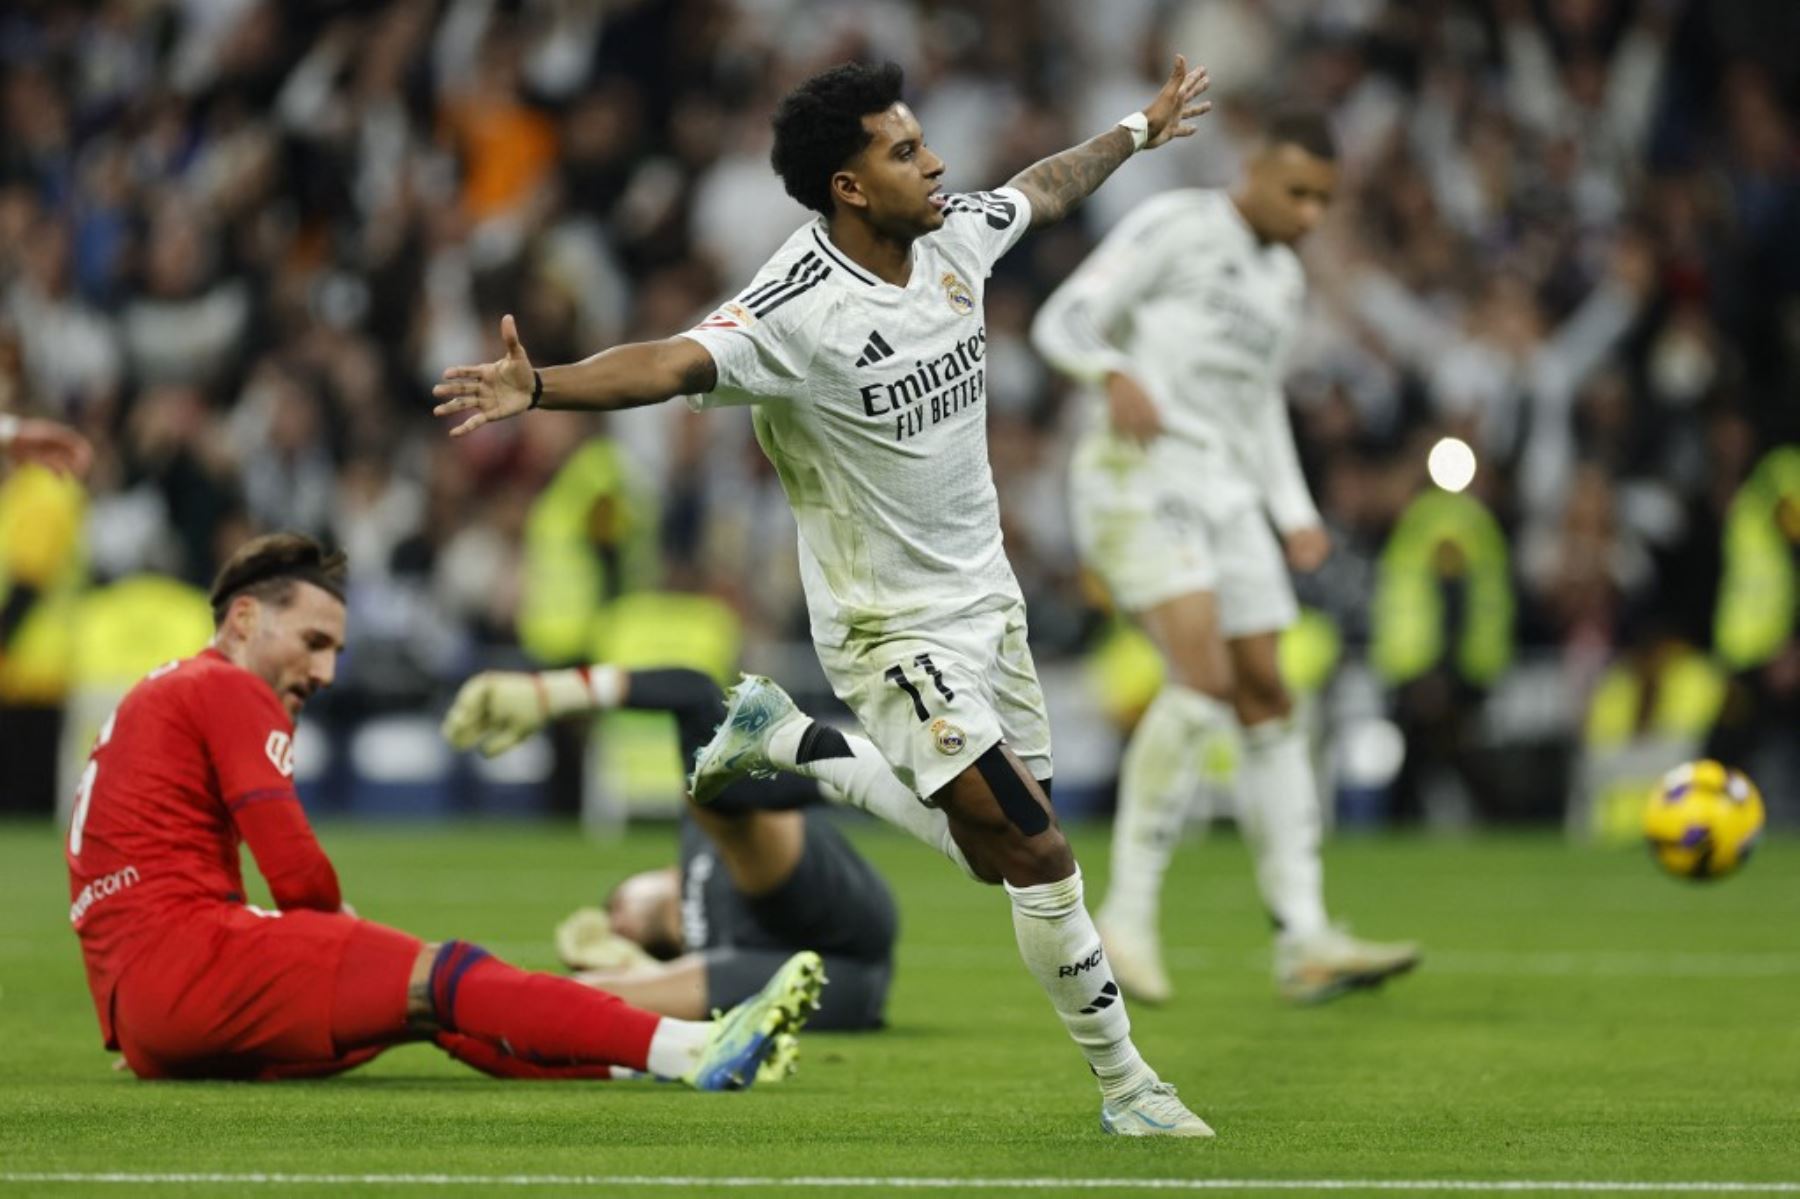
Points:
[(1131, 410), (497, 709), (1307, 548), (494, 390)]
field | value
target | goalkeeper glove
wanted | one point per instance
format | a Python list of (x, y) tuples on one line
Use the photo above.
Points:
[(586, 941), (496, 710)]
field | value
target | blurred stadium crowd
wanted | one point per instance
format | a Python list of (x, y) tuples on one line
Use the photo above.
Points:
[(239, 239)]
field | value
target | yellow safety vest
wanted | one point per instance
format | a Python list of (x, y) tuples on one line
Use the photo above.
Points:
[(41, 547), (590, 505), (1628, 749), (639, 758), (1442, 535), (126, 629), (1759, 593), (1690, 692)]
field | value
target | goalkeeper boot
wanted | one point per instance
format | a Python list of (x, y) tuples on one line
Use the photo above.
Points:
[(1136, 957), (754, 709), (1332, 963), (1153, 1111), (751, 1033)]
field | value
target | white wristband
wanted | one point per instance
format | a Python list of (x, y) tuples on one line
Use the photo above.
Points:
[(9, 428), (1139, 126)]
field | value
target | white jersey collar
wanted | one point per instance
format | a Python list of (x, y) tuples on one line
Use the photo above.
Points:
[(822, 238)]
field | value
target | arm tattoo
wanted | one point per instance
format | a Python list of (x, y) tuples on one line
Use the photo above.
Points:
[(1058, 183)]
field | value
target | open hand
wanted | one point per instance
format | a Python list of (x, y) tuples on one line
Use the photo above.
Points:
[(1169, 112), (494, 390)]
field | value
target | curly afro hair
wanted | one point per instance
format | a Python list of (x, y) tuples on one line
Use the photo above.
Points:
[(818, 126)]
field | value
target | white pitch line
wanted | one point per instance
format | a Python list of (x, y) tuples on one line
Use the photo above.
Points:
[(1496, 1185), (1485, 963)]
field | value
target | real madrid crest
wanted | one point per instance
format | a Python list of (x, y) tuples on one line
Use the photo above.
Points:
[(960, 297), (949, 738)]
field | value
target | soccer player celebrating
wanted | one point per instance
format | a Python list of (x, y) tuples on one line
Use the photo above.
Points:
[(192, 982), (1183, 316), (763, 872), (861, 346)]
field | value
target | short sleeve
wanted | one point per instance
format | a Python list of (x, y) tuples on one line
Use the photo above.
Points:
[(762, 342), (988, 223), (249, 738)]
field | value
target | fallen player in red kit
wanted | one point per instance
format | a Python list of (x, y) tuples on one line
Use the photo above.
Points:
[(190, 981)]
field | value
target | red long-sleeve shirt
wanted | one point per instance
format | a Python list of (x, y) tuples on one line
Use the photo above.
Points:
[(197, 759)]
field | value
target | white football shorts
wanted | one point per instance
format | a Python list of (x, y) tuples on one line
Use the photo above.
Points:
[(1153, 526), (934, 700)]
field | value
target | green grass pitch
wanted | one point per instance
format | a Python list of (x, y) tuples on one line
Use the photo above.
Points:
[(1578, 1017)]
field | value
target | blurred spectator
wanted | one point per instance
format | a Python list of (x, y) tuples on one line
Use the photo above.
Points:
[(239, 240)]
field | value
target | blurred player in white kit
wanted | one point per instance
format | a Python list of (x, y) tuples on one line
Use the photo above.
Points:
[(1184, 316)]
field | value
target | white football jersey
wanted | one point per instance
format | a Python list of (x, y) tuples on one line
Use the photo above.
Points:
[(1183, 297), (871, 404)]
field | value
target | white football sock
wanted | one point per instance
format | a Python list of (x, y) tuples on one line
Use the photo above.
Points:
[(1062, 950), (864, 780), (1157, 782), (1279, 816), (675, 1046)]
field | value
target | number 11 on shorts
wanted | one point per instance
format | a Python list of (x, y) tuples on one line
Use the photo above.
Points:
[(897, 676)]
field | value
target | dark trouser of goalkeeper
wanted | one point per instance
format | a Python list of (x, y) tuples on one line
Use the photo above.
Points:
[(762, 873)]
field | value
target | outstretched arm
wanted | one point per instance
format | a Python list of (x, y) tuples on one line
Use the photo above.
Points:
[(1057, 184), (627, 376)]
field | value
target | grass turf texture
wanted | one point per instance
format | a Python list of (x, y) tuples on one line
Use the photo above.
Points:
[(1578, 1016)]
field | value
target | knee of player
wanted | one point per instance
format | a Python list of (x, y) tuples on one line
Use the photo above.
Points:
[(1258, 700), (1046, 858), (444, 963), (1209, 674), (982, 868)]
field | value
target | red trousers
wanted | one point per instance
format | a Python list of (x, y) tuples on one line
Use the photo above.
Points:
[(239, 993)]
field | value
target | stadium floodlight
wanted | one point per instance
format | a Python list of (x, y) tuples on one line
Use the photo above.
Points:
[(1451, 464)]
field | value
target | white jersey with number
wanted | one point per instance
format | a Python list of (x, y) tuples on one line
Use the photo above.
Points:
[(1183, 297), (871, 404)]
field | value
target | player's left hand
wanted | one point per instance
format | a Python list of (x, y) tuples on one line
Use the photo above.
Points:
[(494, 712), (1307, 548), (48, 444), (1169, 113)]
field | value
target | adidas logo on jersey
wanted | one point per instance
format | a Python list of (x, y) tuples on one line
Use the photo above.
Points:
[(876, 351)]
